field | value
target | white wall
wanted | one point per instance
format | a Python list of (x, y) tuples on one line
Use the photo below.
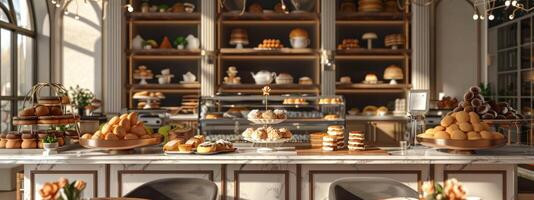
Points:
[(456, 47), (82, 47), (42, 19)]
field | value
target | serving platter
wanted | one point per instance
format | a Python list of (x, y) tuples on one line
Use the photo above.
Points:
[(195, 152), (118, 144), (461, 146)]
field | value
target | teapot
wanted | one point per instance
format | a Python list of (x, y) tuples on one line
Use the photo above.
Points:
[(193, 43), (189, 77), (263, 77)]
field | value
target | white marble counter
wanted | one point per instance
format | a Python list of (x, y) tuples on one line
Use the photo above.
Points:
[(421, 155)]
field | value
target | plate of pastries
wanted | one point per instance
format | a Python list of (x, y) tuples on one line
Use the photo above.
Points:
[(330, 101), (295, 101), (267, 116), (487, 110), (120, 133), (198, 145), (267, 135), (48, 110), (462, 131)]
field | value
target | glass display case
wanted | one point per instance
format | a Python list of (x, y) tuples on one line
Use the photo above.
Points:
[(225, 117)]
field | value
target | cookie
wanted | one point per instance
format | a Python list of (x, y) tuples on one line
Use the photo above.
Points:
[(474, 118), (441, 135), (465, 126), (458, 135), (462, 116), (452, 127), (438, 128), (473, 136), (486, 135), (447, 121)]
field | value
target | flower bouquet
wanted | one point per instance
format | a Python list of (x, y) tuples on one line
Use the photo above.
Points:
[(453, 190), (62, 190)]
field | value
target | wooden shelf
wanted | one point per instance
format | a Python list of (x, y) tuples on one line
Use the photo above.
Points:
[(371, 57), (275, 88), (288, 22), (370, 91), (372, 86), (237, 16), (164, 16), (268, 57), (174, 52), (374, 51), (173, 86), (353, 16), (370, 22), (254, 51)]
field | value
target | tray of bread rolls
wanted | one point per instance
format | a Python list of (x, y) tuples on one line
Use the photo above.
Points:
[(122, 132)]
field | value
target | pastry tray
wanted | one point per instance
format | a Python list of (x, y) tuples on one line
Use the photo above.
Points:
[(267, 121), (194, 152), (119, 144), (461, 144)]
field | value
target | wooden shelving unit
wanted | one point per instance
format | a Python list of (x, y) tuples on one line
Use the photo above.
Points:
[(156, 25), (268, 25)]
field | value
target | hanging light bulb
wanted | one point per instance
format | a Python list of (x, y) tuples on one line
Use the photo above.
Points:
[(482, 17), (511, 17), (491, 17), (57, 5), (507, 3), (66, 11), (475, 16), (53, 1), (514, 3)]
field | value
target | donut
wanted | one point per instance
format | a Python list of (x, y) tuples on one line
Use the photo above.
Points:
[(458, 135), (476, 102), (483, 109), (475, 89), (462, 116), (468, 96)]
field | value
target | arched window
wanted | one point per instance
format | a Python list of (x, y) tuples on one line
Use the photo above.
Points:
[(17, 59)]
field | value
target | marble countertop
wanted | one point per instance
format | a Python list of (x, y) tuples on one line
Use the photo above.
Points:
[(419, 155)]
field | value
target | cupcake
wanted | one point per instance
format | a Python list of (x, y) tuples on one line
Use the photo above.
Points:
[(13, 141), (28, 141)]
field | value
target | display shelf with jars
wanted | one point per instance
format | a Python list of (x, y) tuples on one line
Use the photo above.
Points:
[(163, 55), (227, 117), (284, 54)]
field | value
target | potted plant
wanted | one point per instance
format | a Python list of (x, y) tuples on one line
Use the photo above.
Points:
[(81, 97), (180, 42), (50, 143)]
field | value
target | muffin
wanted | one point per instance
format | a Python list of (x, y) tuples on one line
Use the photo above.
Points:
[(28, 141), (13, 141)]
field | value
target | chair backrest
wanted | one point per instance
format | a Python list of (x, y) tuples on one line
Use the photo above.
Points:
[(364, 188), (176, 189)]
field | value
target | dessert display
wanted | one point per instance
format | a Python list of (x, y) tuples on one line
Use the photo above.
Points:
[(334, 140), (305, 80), (269, 44), (298, 38), (198, 145), (189, 104), (447, 103), (232, 77), (239, 38), (236, 112), (266, 134), (393, 73), (394, 41), (370, 37), (370, 5), (148, 100), (330, 101), (316, 139), (121, 133), (347, 6), (143, 74), (345, 80), (462, 131), (370, 110), (165, 76), (475, 102), (164, 8), (349, 44), (267, 116), (283, 78), (356, 141), (213, 116), (331, 117), (295, 101), (371, 79), (189, 78)]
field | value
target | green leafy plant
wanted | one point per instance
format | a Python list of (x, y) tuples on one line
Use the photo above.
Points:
[(81, 96), (485, 90), (49, 139), (180, 40)]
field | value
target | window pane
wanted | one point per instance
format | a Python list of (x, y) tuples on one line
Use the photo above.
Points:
[(6, 4), (5, 116), (22, 12), (25, 64), (5, 72), (3, 16)]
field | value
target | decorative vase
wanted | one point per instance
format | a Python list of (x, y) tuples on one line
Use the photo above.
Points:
[(137, 42)]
